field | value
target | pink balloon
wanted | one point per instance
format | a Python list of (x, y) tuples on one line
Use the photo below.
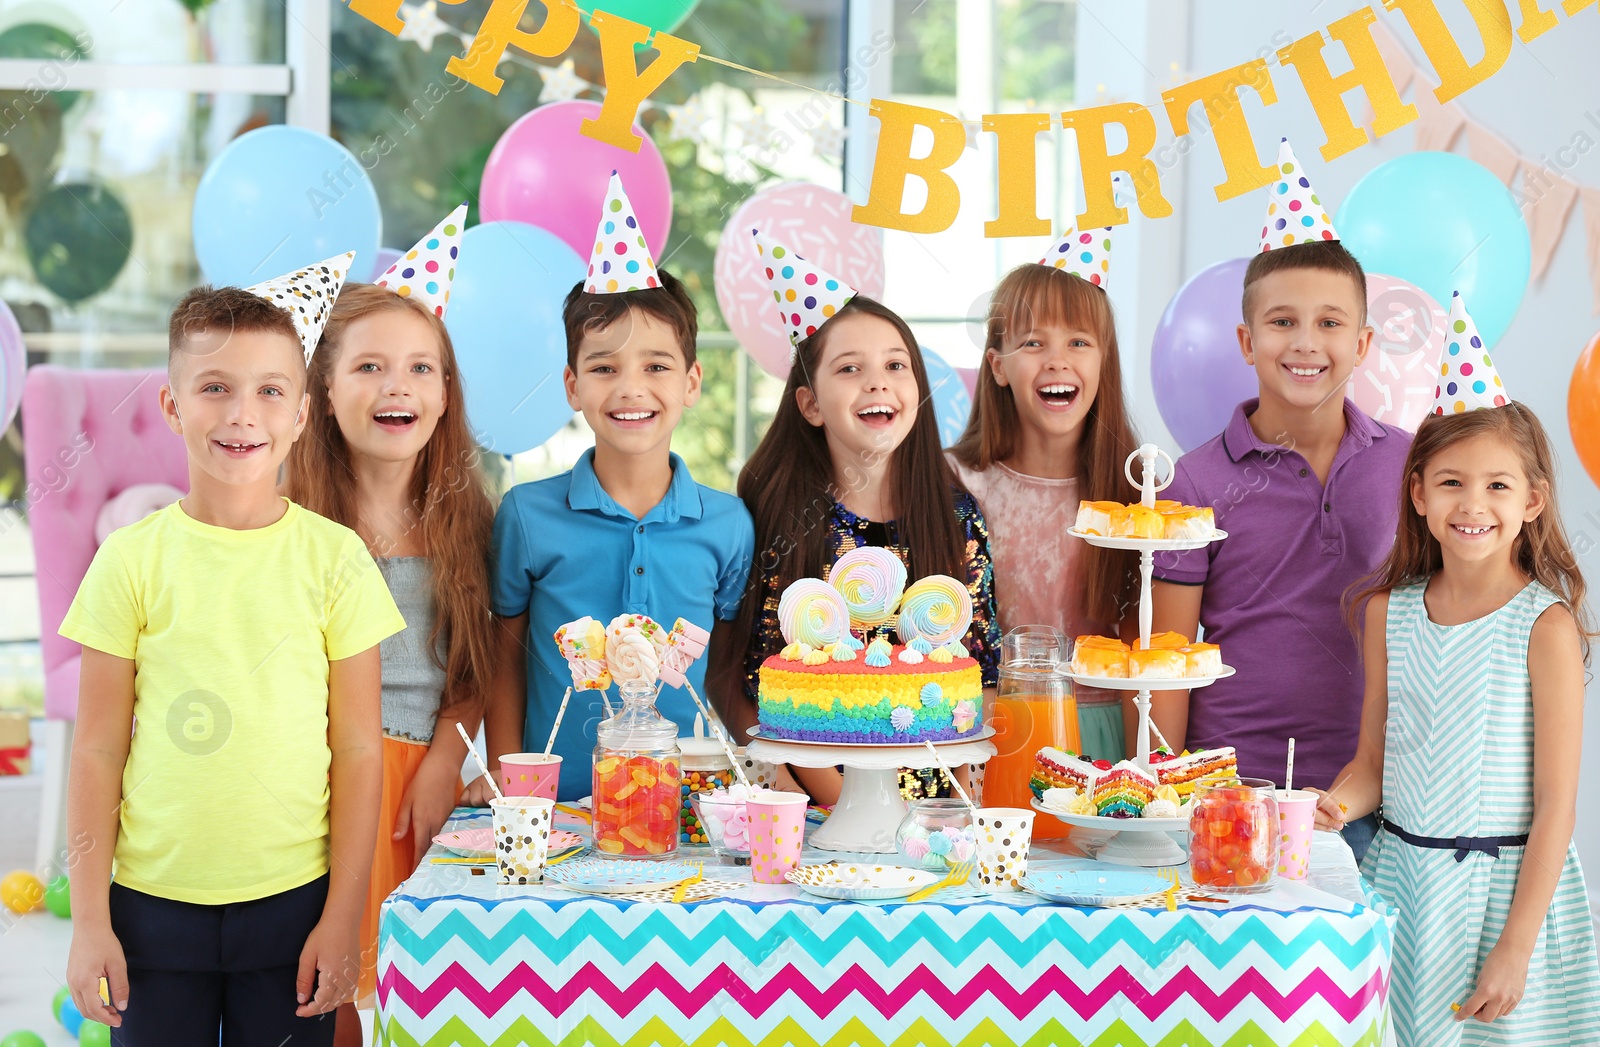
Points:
[(543, 171), (815, 223), (1395, 383)]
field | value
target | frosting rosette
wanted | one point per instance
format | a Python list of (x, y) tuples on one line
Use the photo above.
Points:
[(812, 612), (871, 580), (632, 653), (936, 610)]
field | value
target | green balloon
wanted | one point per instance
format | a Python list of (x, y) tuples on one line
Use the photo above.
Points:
[(58, 897), (23, 1038), (94, 1034), (58, 48), (663, 16), (62, 995), (78, 238)]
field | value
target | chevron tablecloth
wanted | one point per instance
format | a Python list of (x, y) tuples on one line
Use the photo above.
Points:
[(463, 961)]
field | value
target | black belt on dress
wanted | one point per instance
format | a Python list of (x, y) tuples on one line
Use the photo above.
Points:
[(1462, 845)]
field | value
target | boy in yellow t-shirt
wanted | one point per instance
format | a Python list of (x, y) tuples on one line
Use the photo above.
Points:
[(227, 756)]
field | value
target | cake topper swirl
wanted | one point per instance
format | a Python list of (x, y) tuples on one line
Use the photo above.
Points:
[(937, 609), (871, 580), (811, 611)]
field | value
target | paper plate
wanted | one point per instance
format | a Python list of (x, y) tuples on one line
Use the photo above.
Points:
[(479, 842), (1148, 544), (611, 876), (1095, 886), (860, 883)]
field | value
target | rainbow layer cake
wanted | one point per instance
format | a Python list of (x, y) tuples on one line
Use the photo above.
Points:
[(1058, 769), (1123, 791), (1182, 772), (826, 685)]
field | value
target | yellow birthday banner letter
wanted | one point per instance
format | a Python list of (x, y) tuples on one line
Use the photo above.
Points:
[(894, 163), (498, 30), (1455, 75), (1218, 95), (627, 86), (1367, 71), (1018, 174), (1097, 164)]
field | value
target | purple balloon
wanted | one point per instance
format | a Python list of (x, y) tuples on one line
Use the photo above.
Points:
[(546, 172), (387, 256), (1195, 364)]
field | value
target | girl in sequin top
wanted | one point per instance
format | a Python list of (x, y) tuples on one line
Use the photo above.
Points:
[(852, 460)]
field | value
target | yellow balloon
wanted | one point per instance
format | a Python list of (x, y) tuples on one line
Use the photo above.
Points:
[(21, 892)]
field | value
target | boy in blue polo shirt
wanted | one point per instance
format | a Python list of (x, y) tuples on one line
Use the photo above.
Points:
[(1307, 487), (627, 530)]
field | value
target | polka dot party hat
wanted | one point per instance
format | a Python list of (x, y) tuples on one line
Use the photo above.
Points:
[(1467, 377), (307, 295), (427, 270), (1083, 254), (806, 295), (1294, 214), (621, 260)]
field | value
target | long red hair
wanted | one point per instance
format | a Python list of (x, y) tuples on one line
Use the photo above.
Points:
[(1027, 296), (449, 498), (1542, 551)]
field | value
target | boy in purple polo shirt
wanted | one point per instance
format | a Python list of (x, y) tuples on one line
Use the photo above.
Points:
[(1307, 487)]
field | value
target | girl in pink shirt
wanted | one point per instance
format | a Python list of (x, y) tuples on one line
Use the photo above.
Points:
[(1049, 427)]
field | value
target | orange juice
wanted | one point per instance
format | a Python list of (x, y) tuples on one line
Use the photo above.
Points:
[(1024, 724)]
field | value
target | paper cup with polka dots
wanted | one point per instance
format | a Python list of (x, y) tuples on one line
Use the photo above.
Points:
[(530, 774), (777, 823), (1004, 834), (1297, 814), (521, 836)]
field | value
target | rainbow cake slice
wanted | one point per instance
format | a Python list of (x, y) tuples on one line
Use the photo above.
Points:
[(1059, 769), (1123, 791), (1182, 772)]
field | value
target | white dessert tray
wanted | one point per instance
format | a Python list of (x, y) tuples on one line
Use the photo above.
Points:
[(987, 732), (1146, 842), (1150, 683), (1148, 545)]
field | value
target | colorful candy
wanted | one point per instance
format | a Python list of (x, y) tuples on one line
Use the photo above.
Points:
[(937, 609), (689, 828), (686, 643), (634, 644), (1233, 842), (871, 580), (811, 611), (583, 644), (636, 805)]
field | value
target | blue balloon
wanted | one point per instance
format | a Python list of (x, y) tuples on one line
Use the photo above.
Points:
[(278, 198), (1446, 224), (505, 321), (71, 1017), (951, 401)]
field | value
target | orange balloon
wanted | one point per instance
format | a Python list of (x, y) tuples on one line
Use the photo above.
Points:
[(1583, 408)]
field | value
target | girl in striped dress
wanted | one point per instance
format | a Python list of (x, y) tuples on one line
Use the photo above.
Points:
[(1476, 639)]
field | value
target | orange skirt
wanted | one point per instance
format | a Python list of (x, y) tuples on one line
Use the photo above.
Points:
[(391, 861)]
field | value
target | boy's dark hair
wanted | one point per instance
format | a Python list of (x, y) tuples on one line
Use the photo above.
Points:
[(1329, 256), (670, 303), (227, 309)]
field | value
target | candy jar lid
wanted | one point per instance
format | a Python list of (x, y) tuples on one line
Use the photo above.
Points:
[(638, 727), (702, 753)]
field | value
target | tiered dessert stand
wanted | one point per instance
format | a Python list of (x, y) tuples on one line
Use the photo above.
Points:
[(870, 806), (1140, 841)]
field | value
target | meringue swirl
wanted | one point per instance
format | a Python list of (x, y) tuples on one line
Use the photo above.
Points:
[(812, 612), (936, 609), (871, 580)]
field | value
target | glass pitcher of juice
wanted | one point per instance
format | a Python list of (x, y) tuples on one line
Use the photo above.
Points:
[(1034, 708)]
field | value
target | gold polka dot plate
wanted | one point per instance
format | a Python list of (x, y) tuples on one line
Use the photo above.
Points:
[(853, 882)]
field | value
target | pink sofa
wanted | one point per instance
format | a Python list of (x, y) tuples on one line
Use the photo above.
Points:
[(88, 436)]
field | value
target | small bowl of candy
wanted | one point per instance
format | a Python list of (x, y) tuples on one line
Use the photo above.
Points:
[(935, 835), (721, 813)]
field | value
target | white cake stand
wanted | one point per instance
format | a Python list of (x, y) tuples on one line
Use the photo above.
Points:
[(870, 807), (1147, 842)]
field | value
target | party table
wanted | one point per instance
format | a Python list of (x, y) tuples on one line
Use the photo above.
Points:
[(464, 961)]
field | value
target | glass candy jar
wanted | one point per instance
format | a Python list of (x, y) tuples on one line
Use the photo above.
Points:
[(1233, 835), (637, 780), (935, 834), (705, 767)]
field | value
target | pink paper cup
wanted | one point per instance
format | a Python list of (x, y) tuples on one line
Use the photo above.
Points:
[(530, 774), (1297, 815), (777, 823)]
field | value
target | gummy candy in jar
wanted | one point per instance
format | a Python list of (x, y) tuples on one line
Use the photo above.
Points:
[(637, 780), (1233, 835)]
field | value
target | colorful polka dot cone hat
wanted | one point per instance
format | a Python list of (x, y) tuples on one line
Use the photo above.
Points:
[(1083, 254), (1467, 377), (427, 270), (621, 260), (307, 295), (1294, 214), (806, 295)]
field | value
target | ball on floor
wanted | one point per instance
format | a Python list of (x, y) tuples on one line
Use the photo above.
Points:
[(21, 891), (58, 897)]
